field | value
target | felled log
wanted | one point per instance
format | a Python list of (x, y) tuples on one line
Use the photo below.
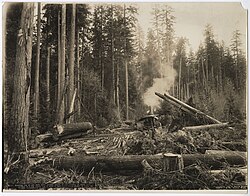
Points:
[(47, 137), (187, 108), (206, 127), (71, 128), (239, 146), (214, 161), (226, 152), (133, 162)]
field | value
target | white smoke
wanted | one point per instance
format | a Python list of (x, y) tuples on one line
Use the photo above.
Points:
[(161, 85)]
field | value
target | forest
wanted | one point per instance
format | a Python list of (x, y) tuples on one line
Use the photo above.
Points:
[(66, 64)]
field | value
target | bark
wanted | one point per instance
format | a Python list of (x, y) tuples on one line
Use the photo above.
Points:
[(72, 103), (62, 76), (126, 66), (101, 51), (72, 55), (179, 82), (48, 80), (206, 127), (21, 89), (67, 129), (20, 105), (37, 69), (133, 162), (78, 73), (112, 89), (59, 66)]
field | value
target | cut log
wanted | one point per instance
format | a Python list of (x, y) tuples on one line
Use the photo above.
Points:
[(133, 162), (73, 135), (47, 137), (206, 127), (189, 109), (239, 146), (68, 129), (214, 161), (224, 152)]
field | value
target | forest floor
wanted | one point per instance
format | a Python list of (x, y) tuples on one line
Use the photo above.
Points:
[(120, 142)]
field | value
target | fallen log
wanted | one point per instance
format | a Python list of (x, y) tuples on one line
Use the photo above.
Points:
[(187, 108), (239, 146), (214, 161), (71, 128), (47, 137), (206, 127), (133, 162), (225, 152)]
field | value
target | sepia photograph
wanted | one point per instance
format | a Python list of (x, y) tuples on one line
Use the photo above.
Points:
[(125, 96)]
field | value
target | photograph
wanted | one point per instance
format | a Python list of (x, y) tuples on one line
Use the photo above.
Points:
[(124, 96)]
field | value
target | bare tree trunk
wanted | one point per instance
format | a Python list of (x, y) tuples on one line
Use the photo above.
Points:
[(71, 55), (62, 76), (36, 107), (179, 83), (126, 66), (78, 73), (59, 69), (101, 49), (21, 90), (48, 80), (112, 58)]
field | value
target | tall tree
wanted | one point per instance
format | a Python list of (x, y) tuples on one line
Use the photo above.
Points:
[(71, 88), (37, 65), (17, 139), (48, 79), (61, 108)]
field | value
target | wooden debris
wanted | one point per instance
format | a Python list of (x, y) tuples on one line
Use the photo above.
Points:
[(206, 127)]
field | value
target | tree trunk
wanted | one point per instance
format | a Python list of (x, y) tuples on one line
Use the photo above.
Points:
[(72, 55), (59, 66), (67, 129), (126, 66), (48, 80), (134, 162), (19, 114), (101, 51), (62, 76), (206, 127), (78, 73), (37, 69), (112, 89), (179, 83)]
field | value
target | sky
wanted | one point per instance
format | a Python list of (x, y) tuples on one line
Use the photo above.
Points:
[(191, 19)]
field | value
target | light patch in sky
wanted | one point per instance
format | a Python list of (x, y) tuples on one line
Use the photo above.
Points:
[(191, 19)]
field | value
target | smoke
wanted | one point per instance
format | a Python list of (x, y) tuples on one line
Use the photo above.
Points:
[(161, 85)]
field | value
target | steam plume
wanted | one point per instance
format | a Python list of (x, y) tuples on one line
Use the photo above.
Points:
[(161, 85)]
